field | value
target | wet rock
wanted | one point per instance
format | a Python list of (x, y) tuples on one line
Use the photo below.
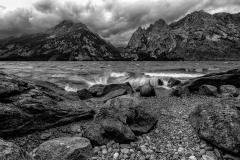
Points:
[(231, 77), (208, 90), (147, 91), (67, 148), (113, 94), (229, 89), (100, 90), (120, 119), (10, 151), (173, 82), (219, 124), (84, 94), (27, 106)]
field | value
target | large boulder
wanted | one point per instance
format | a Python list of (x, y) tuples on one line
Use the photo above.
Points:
[(120, 119), (231, 77), (219, 124), (173, 82), (208, 90), (147, 91), (66, 148), (27, 106), (100, 90), (10, 151), (229, 89)]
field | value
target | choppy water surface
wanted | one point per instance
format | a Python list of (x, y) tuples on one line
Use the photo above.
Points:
[(77, 75)]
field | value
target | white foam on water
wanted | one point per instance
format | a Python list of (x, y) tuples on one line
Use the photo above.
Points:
[(70, 89), (115, 74), (174, 75)]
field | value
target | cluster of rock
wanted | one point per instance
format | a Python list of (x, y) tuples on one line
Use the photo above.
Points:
[(197, 36), (224, 83), (28, 106), (216, 122)]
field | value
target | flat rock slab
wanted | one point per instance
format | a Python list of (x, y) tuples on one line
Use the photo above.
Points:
[(120, 119), (218, 123), (27, 106), (66, 148)]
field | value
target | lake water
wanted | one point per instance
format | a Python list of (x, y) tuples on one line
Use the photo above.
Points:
[(78, 75)]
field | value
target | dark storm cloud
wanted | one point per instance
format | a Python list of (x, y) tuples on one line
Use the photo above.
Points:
[(15, 22), (45, 5), (114, 20)]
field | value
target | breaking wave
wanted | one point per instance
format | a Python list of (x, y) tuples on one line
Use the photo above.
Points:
[(135, 79)]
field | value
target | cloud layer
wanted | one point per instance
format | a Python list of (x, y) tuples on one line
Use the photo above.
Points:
[(114, 20)]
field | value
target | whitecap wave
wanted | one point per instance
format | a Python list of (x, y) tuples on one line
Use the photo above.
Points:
[(174, 75), (115, 74), (70, 89)]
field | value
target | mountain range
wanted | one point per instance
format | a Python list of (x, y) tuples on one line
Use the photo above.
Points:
[(197, 36)]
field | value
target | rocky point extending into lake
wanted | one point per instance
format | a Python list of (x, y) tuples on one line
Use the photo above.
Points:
[(196, 120)]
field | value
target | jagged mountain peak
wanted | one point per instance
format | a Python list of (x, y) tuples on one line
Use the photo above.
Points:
[(160, 22), (65, 27), (196, 18)]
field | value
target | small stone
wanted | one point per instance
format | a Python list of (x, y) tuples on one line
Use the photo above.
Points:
[(203, 146), (103, 147), (124, 146), (211, 154), (192, 157), (202, 151), (115, 145), (125, 150), (180, 150), (109, 150), (96, 150), (217, 153), (142, 158), (156, 131), (133, 145), (175, 156), (133, 156), (148, 156), (205, 157), (144, 149), (125, 156), (209, 148), (152, 157), (46, 136), (228, 156), (76, 128), (104, 151), (131, 150)]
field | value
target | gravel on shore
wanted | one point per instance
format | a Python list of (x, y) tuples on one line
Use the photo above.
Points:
[(172, 139)]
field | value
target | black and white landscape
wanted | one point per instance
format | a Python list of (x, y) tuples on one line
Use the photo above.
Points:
[(120, 80)]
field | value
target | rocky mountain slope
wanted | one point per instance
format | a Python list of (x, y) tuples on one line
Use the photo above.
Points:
[(197, 36), (66, 41)]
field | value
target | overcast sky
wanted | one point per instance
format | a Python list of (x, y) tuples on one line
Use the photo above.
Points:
[(114, 20)]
